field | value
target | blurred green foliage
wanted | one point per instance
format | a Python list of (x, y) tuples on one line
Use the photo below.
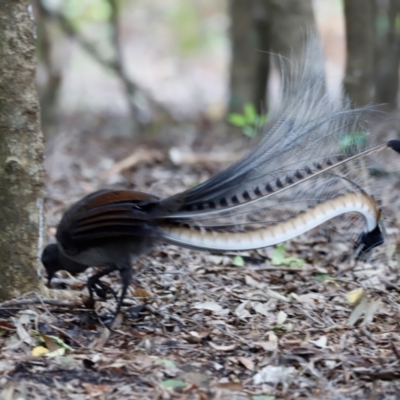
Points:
[(382, 24), (397, 23), (279, 258), (185, 22), (196, 27), (250, 121), (353, 142), (81, 11)]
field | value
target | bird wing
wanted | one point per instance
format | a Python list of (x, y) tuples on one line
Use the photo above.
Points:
[(107, 214)]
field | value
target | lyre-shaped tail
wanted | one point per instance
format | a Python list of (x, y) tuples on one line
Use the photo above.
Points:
[(307, 168)]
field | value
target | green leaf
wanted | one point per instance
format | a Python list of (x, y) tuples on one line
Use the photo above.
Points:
[(173, 384), (356, 139), (165, 362), (397, 23), (322, 277), (86, 10), (249, 131), (55, 339), (261, 120), (326, 278), (278, 255), (250, 113), (61, 343), (238, 261), (278, 258), (56, 353), (237, 119)]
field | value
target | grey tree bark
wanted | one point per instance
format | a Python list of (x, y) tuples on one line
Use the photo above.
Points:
[(358, 81), (291, 20), (245, 43), (262, 24), (259, 27), (387, 54), (21, 154)]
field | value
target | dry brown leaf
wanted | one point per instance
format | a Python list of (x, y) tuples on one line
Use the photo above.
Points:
[(6, 325), (211, 306), (140, 155), (99, 389), (266, 346), (142, 293), (101, 340), (355, 296), (274, 375), (39, 351), (321, 342), (261, 308), (5, 367), (249, 364), (370, 311), (196, 337), (281, 318), (221, 347), (7, 393), (51, 345), (198, 379), (22, 333), (250, 281), (358, 311), (232, 386), (241, 311)]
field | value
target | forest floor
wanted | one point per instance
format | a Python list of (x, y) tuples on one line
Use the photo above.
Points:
[(203, 326)]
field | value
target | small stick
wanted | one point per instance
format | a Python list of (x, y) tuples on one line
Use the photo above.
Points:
[(52, 302)]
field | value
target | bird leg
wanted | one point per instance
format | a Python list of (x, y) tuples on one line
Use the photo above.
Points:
[(94, 284), (102, 289), (126, 277)]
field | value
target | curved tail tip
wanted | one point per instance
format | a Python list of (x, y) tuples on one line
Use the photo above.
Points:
[(367, 241), (394, 144)]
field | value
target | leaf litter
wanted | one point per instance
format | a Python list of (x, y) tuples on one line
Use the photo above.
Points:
[(269, 324)]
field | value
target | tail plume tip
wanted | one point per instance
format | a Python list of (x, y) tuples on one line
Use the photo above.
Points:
[(394, 145)]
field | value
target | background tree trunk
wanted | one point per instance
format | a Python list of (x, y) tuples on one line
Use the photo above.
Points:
[(257, 28), (387, 54), (244, 64), (290, 20), (262, 24), (21, 153), (358, 82)]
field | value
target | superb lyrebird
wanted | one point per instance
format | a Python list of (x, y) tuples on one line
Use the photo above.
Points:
[(306, 169)]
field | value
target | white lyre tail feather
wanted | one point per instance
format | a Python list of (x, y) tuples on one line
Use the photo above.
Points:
[(214, 239)]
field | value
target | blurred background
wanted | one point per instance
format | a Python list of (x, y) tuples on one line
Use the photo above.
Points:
[(125, 67), (128, 68), (125, 84)]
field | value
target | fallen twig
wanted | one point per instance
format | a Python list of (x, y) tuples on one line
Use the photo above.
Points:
[(52, 302)]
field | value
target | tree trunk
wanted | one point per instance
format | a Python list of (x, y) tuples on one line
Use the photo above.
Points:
[(21, 153), (291, 21), (257, 28), (387, 71), (358, 82), (243, 75), (262, 25)]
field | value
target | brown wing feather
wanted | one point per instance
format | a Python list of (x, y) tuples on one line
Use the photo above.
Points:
[(105, 197), (107, 214)]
